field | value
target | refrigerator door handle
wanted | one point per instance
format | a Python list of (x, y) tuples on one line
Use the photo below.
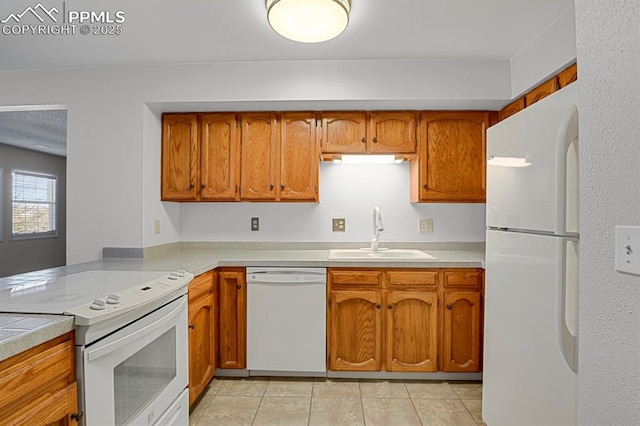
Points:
[(568, 272), (567, 134)]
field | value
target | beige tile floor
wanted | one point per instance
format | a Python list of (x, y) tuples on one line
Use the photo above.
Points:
[(336, 402)]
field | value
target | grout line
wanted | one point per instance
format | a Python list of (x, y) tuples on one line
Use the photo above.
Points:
[(415, 410), (261, 399)]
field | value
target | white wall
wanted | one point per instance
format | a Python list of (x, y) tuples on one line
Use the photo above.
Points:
[(609, 103), (544, 56), (346, 191)]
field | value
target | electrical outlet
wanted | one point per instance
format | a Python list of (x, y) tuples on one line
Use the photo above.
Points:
[(255, 223), (156, 226), (425, 225), (338, 225)]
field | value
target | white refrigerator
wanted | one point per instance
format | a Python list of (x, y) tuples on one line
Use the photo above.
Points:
[(530, 323)]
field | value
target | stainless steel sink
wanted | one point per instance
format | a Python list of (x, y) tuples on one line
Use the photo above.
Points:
[(379, 255)]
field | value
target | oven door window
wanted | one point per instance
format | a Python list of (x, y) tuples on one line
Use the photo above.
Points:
[(143, 376)]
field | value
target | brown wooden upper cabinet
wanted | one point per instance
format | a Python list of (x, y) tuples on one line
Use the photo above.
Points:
[(378, 132), (259, 157), (279, 157), (219, 152), (299, 157), (393, 132), (541, 92), (568, 76), (344, 133), (451, 161), (512, 108), (180, 155), (199, 157)]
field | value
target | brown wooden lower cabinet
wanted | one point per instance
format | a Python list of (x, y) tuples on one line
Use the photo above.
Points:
[(461, 331), (202, 336), (401, 320), (356, 331), (38, 386), (412, 331), (232, 302)]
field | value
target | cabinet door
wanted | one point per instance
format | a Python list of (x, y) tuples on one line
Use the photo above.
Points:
[(568, 76), (259, 157), (393, 132), (461, 336), (219, 157), (232, 298), (201, 341), (541, 92), (179, 157), (412, 331), (452, 161), (344, 133), (512, 108), (298, 157), (355, 330)]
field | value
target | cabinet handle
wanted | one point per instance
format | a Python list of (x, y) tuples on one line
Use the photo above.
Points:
[(363, 139), (271, 186), (425, 186), (374, 139), (191, 326), (191, 186), (449, 307), (282, 186), (378, 306), (202, 186), (238, 286), (77, 416), (390, 306)]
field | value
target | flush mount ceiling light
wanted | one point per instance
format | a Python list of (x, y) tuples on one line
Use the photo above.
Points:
[(308, 21)]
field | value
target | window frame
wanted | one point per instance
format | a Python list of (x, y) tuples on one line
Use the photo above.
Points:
[(36, 235)]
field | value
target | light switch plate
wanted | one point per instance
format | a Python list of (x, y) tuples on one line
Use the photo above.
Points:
[(628, 249), (425, 225), (156, 226)]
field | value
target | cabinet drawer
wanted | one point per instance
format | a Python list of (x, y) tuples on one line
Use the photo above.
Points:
[(355, 277), (413, 278), (463, 278), (42, 369), (200, 285)]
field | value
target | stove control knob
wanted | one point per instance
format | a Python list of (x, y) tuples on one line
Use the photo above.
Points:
[(113, 299), (98, 305), (181, 273), (173, 275)]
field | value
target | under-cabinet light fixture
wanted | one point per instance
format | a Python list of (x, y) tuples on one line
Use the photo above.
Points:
[(508, 161), (308, 21), (368, 159)]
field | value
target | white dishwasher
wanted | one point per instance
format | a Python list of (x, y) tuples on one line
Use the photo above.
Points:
[(286, 321)]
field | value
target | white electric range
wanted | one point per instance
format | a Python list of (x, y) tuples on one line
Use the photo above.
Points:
[(131, 340)]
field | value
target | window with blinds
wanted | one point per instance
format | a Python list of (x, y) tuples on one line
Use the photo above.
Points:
[(33, 208)]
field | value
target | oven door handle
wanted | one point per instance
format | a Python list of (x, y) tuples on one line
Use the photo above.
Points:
[(101, 351)]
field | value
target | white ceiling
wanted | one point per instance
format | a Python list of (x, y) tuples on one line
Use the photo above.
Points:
[(199, 31), (188, 31)]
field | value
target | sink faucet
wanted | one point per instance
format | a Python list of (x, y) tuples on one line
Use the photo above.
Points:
[(377, 228)]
